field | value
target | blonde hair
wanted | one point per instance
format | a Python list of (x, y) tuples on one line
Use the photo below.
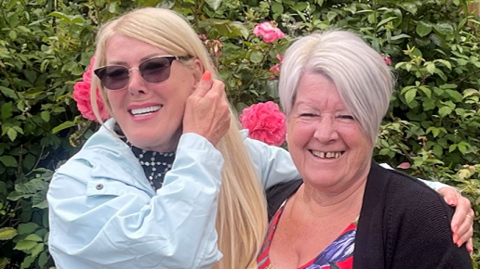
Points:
[(363, 80), (242, 219)]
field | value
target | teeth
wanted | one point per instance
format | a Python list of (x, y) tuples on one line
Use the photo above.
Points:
[(327, 155), (145, 110)]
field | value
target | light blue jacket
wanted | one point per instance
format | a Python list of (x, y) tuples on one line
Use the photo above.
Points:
[(104, 213)]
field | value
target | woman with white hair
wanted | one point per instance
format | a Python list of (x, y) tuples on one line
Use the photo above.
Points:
[(348, 212), (169, 182)]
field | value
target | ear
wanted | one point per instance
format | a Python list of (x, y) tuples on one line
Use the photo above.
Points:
[(198, 69)]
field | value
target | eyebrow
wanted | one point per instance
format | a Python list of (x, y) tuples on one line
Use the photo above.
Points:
[(142, 59)]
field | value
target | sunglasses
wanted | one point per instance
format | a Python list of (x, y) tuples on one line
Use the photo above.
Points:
[(153, 70)]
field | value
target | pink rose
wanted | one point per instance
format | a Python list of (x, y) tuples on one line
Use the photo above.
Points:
[(265, 122), (269, 32), (387, 60), (276, 68), (81, 94)]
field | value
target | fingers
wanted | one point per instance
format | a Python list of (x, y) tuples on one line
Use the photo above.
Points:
[(450, 195), (204, 85), (465, 229), (470, 245), (207, 110), (462, 221)]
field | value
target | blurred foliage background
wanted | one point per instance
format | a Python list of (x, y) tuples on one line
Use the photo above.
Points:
[(46, 45)]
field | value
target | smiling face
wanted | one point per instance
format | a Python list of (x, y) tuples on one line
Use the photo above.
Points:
[(327, 144), (150, 114)]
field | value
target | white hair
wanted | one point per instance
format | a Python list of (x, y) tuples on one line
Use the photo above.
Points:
[(360, 74)]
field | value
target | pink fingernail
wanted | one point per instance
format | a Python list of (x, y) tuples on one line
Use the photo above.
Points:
[(207, 75)]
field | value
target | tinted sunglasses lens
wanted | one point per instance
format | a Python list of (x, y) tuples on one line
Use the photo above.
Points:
[(156, 70), (113, 77)]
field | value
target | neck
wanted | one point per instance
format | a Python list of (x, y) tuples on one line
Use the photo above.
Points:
[(324, 203)]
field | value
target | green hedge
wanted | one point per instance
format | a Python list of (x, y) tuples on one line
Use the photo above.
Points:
[(46, 45)]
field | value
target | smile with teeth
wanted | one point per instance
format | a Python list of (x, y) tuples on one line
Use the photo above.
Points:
[(144, 111), (327, 155)]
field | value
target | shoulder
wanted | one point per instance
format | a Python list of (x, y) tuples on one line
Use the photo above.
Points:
[(279, 193), (400, 187)]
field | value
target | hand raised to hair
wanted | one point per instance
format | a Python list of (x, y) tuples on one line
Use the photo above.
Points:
[(206, 110)]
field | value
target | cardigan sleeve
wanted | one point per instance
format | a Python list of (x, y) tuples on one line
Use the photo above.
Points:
[(423, 236)]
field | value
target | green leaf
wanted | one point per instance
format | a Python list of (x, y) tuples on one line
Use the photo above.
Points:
[(431, 67), (410, 95), (456, 96), (13, 35), (9, 161), (462, 147), (37, 249), (31, 75), (27, 262), (410, 7), (214, 4), (7, 110), (8, 92), (34, 237), (60, 15), (444, 28), (24, 245), (63, 126), (256, 57), (423, 28), (12, 134), (397, 37), (27, 228), (444, 111), (45, 116), (42, 260), (7, 233), (452, 148), (426, 91), (444, 62), (277, 8)]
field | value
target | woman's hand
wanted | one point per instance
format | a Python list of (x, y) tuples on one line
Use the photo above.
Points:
[(462, 221), (206, 111)]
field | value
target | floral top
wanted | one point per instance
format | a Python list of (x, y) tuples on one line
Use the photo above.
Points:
[(338, 255)]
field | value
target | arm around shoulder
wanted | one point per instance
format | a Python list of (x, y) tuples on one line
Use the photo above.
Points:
[(274, 165)]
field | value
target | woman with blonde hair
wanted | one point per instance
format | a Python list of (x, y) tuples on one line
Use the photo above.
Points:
[(169, 181), (114, 206)]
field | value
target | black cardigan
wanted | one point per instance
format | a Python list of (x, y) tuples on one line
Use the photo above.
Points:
[(403, 224)]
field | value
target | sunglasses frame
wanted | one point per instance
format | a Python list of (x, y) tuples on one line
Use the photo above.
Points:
[(99, 72)]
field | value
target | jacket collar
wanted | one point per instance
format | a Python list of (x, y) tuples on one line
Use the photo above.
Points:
[(113, 159)]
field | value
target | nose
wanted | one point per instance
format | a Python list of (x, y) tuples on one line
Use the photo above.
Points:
[(136, 83), (326, 130)]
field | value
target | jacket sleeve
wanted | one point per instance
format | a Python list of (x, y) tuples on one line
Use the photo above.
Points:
[(105, 223), (424, 238), (273, 164)]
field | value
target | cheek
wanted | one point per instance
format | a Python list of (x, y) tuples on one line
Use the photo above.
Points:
[(115, 99)]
